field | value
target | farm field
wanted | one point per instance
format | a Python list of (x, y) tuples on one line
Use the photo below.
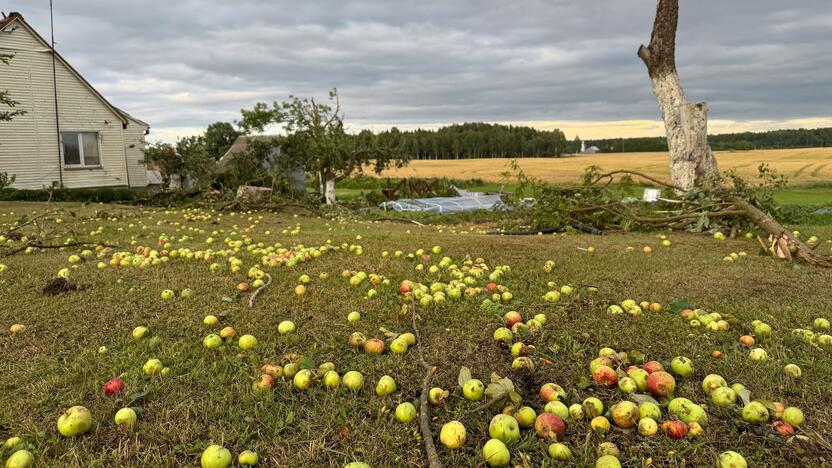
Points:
[(801, 167), (209, 395)]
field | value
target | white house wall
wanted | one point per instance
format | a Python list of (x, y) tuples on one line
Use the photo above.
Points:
[(28, 144)]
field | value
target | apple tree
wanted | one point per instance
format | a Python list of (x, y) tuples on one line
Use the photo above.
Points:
[(315, 137)]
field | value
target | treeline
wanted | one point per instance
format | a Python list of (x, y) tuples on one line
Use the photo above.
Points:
[(776, 139), (478, 140)]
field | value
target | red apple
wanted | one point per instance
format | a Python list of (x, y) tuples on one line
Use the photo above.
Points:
[(512, 317), (374, 346), (783, 428), (605, 376), (490, 286), (551, 392), (405, 287), (675, 429), (660, 384), (652, 366), (113, 386), (549, 426)]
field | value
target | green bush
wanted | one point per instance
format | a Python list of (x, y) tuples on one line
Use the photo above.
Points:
[(103, 195)]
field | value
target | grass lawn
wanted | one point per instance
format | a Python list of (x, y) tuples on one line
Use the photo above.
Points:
[(207, 397)]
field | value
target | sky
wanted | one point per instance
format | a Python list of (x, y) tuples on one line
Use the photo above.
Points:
[(180, 65)]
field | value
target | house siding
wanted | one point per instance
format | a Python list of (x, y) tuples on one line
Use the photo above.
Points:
[(29, 146)]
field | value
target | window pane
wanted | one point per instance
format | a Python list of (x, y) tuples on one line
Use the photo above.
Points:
[(72, 154), (91, 149)]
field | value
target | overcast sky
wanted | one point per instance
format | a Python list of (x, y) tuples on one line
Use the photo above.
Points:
[(182, 64)]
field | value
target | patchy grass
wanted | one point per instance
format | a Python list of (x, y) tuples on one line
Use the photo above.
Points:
[(207, 398)]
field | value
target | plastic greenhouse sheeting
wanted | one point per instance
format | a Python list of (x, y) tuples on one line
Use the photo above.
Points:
[(446, 204)]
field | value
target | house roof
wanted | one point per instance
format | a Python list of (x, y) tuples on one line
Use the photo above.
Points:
[(239, 146), (123, 116)]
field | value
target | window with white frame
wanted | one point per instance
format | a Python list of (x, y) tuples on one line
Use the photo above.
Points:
[(80, 149)]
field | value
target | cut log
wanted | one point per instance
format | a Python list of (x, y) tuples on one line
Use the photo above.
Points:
[(248, 195)]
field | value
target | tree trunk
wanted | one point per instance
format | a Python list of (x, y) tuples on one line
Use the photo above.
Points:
[(686, 125), (329, 189)]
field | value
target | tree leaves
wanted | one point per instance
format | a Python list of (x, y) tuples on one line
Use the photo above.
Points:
[(464, 376), (501, 387)]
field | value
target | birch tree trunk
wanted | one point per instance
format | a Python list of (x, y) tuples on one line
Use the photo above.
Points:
[(691, 160), (329, 188)]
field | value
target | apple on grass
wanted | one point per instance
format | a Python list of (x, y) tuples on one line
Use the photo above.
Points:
[(125, 417), (113, 386), (496, 453), (248, 458), (75, 421), (559, 451), (549, 426), (21, 459), (504, 428), (473, 390), (453, 434), (216, 456), (405, 412)]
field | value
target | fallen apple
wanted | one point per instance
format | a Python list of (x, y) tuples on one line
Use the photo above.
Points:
[(216, 456), (549, 426), (600, 424), (681, 366), (496, 453), (755, 412), (152, 367), (675, 429), (212, 341), (113, 386), (331, 379), (473, 390), (793, 416), (139, 333), (405, 412), (248, 458), (453, 434), (625, 414), (551, 392), (713, 381), (386, 386), (723, 396), (436, 395), (607, 461), (247, 342), (605, 376), (593, 407), (526, 417), (74, 421), (558, 408), (353, 380), (504, 428), (647, 427), (661, 384), (285, 327), (125, 417), (21, 459), (731, 459)]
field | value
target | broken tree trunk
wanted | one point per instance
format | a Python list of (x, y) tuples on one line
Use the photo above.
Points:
[(686, 124)]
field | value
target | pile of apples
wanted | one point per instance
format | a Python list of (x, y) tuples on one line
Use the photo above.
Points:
[(634, 308)]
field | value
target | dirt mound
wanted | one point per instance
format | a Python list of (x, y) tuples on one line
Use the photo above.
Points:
[(57, 286)]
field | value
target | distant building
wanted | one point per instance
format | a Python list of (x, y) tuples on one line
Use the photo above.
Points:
[(589, 150), (92, 143), (296, 175)]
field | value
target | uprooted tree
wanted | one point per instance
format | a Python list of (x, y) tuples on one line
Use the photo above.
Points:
[(316, 138), (692, 163)]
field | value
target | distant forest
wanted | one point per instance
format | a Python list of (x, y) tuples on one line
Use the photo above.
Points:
[(776, 139), (483, 140)]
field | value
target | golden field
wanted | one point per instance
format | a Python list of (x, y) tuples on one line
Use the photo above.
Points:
[(800, 166)]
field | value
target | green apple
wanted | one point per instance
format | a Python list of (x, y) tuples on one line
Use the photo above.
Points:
[(559, 451), (21, 459), (12, 442), (167, 294), (758, 354), (140, 332), (247, 342), (504, 428), (75, 421), (398, 346), (331, 379), (607, 461), (473, 390), (650, 410), (353, 380), (711, 382), (386, 386), (496, 453), (793, 416), (731, 459), (723, 396), (687, 411), (216, 456), (405, 412), (285, 327), (792, 371), (247, 457), (558, 408), (125, 417), (681, 366), (526, 417), (303, 379), (152, 367), (353, 316), (755, 412), (212, 341), (627, 385), (210, 320)]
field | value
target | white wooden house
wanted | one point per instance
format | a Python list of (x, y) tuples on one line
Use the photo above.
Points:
[(91, 143)]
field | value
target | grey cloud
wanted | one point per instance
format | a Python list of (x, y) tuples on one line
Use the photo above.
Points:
[(188, 63)]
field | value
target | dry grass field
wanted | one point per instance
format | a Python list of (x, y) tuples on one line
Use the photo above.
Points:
[(800, 166)]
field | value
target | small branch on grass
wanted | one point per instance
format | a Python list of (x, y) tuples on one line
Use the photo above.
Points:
[(38, 245), (424, 416), (399, 220), (638, 174), (259, 290)]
